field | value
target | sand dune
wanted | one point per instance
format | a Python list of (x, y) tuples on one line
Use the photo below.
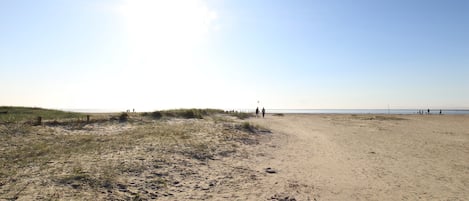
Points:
[(368, 157), (220, 157)]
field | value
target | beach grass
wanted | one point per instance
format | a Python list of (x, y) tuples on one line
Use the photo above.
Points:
[(242, 115), (102, 156), (192, 113), (16, 114)]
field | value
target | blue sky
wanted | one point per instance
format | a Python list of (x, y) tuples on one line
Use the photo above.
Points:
[(149, 55)]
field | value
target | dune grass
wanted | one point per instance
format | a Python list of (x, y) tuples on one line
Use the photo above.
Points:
[(242, 115), (16, 114), (183, 113), (32, 150), (81, 161)]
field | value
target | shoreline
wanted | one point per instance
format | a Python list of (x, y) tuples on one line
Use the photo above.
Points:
[(368, 111)]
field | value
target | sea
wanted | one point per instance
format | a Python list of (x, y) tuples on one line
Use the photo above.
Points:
[(362, 111), (318, 111)]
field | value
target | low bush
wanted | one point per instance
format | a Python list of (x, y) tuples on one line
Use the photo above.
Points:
[(248, 127), (123, 117), (156, 114), (186, 113), (242, 115)]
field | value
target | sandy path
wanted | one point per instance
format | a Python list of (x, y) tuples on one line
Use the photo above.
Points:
[(345, 157)]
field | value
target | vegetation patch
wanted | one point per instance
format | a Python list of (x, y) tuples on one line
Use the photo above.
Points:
[(123, 117), (252, 128), (141, 159), (17, 114), (156, 115), (15, 128), (186, 113), (248, 127), (199, 151), (242, 115), (380, 118)]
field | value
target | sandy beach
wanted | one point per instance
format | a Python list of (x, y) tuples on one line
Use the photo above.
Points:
[(220, 157), (369, 157)]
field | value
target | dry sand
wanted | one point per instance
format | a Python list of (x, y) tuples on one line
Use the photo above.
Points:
[(311, 157), (368, 157)]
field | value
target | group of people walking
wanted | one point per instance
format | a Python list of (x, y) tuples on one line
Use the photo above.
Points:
[(257, 112)]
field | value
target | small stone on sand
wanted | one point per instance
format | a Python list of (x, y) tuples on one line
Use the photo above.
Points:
[(270, 170)]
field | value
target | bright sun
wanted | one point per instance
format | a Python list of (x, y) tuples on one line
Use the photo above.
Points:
[(164, 31), (162, 37)]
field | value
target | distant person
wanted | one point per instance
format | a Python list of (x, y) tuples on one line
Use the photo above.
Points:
[(257, 111), (428, 111), (441, 112), (133, 110), (263, 112)]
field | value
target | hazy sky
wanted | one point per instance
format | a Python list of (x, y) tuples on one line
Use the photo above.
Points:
[(158, 54)]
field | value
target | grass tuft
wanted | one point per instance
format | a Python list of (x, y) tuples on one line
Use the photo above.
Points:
[(242, 115), (186, 113), (79, 178), (15, 128), (123, 117), (156, 115), (248, 127)]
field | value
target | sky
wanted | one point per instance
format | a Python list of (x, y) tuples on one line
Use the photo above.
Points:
[(227, 54)]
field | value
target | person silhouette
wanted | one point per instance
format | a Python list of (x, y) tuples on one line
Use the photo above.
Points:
[(257, 111), (263, 112)]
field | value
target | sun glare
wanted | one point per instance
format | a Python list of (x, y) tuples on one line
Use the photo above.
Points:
[(165, 32), (162, 38)]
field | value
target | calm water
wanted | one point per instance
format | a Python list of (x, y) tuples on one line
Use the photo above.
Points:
[(359, 111), (318, 111)]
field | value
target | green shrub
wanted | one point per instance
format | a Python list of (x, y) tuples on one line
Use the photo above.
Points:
[(242, 115), (248, 127), (189, 113), (29, 114), (124, 117), (156, 114)]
